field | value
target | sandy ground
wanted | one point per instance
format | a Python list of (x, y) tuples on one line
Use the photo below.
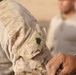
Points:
[(42, 10)]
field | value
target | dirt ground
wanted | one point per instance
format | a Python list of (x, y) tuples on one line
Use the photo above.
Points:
[(42, 10)]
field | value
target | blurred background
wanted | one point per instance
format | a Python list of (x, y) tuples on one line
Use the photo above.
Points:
[(42, 10)]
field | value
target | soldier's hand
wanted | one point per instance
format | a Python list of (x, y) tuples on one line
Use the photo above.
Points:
[(66, 63)]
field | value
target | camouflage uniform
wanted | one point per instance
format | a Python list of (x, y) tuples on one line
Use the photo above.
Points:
[(22, 47)]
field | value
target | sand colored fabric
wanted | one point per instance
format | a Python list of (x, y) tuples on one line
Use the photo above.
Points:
[(22, 42)]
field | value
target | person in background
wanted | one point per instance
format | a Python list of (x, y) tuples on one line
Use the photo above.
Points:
[(61, 40)]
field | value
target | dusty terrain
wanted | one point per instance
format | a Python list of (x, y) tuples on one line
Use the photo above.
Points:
[(42, 10)]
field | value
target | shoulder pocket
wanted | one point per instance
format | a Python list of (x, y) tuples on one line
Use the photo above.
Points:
[(34, 45)]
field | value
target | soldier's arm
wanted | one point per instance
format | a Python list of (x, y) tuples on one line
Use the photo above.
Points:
[(22, 39), (23, 45), (21, 50)]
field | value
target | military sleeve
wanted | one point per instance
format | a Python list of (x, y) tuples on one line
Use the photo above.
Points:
[(23, 53), (22, 40)]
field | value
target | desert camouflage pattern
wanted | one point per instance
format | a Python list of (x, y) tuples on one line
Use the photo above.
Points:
[(22, 41)]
